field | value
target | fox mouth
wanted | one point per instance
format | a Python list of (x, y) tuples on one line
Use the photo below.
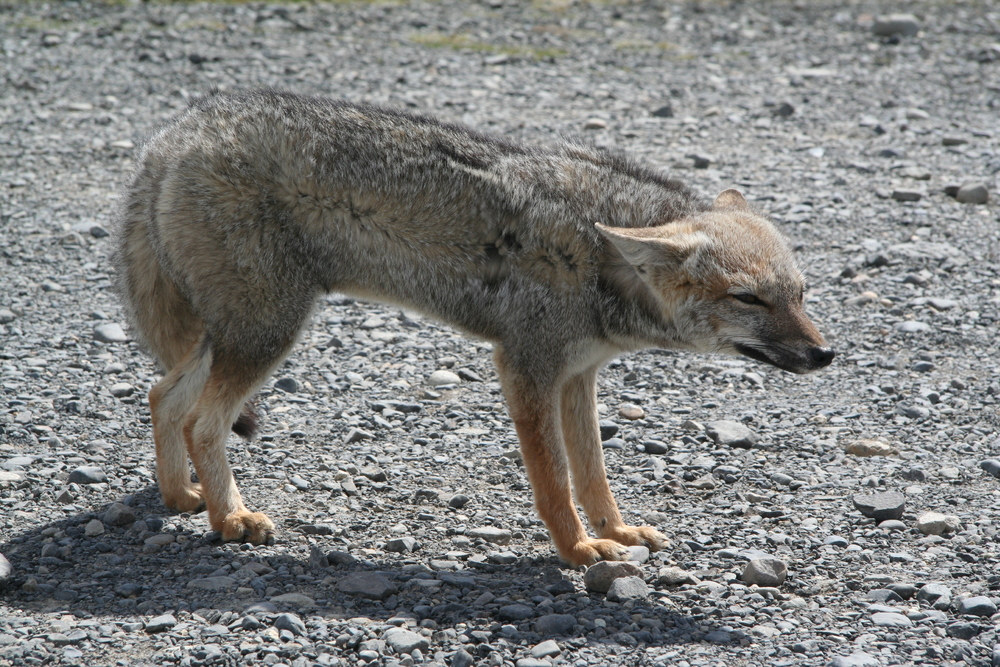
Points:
[(814, 359)]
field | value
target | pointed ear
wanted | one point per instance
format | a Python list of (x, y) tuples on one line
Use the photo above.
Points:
[(646, 251), (730, 199)]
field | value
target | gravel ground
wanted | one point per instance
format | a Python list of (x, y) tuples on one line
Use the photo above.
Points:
[(798, 505)]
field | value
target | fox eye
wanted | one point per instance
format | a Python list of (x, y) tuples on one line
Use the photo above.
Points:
[(749, 299)]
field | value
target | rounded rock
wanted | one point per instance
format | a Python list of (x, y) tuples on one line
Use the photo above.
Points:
[(600, 576), (765, 572)]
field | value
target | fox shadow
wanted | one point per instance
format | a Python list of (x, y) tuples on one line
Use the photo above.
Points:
[(130, 561)]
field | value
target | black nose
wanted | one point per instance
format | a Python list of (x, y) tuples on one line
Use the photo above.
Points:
[(822, 356)]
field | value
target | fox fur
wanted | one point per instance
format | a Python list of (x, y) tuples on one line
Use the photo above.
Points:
[(246, 207)]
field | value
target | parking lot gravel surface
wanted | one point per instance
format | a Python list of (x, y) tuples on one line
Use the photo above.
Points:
[(844, 518)]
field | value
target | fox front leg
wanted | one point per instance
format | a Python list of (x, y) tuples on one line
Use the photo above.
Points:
[(582, 436), (534, 408)]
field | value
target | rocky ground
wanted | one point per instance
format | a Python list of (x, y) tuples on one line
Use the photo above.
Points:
[(798, 506)]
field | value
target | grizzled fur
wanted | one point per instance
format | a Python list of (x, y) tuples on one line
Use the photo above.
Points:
[(246, 207)]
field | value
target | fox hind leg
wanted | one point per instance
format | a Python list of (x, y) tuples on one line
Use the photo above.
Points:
[(170, 401), (582, 436)]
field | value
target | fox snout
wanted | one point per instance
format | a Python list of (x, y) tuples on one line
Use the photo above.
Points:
[(821, 356)]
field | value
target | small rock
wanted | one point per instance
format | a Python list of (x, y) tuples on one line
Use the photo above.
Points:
[(119, 515), (294, 600), (122, 389), (675, 576), (731, 433), (912, 326), (859, 659), (880, 506), (94, 528), (609, 429), (7, 316), (979, 605), (292, 623), (458, 501), (462, 658), (933, 523), (595, 124), (599, 576), (765, 572), (442, 378), (554, 624), (109, 333), (161, 623), (891, 620), (404, 641), (370, 585), (666, 111), (870, 448), (87, 475), (973, 193), (288, 385), (5, 569), (963, 630), (902, 25), (936, 595), (907, 195), (992, 466), (628, 588), (631, 412), (657, 447), (220, 583), (357, 435), (401, 545), (515, 612), (546, 649), (490, 534)]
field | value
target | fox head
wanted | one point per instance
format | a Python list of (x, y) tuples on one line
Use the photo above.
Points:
[(727, 282)]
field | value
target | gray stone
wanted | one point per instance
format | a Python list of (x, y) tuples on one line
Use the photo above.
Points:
[(628, 588), (859, 659), (718, 637), (979, 605), (609, 429), (765, 572), (289, 385), (372, 585), (87, 475), (675, 576), (529, 661), (405, 544), (5, 570), (161, 623), (442, 378), (901, 194), (490, 534), (891, 620), (109, 333), (892, 25), (545, 649), (7, 316), (880, 506), (963, 630), (554, 624), (515, 612), (292, 623), (973, 193), (731, 433), (122, 389), (599, 576), (405, 641), (94, 528), (118, 514), (937, 596), (991, 466), (912, 326), (934, 523), (462, 658), (219, 583)]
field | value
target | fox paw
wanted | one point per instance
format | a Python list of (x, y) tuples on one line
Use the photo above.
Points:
[(638, 536), (244, 526), (589, 551), (187, 499)]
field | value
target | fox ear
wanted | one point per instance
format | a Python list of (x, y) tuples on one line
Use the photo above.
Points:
[(645, 251), (730, 199)]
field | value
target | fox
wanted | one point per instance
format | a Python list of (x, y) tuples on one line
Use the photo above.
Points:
[(246, 207)]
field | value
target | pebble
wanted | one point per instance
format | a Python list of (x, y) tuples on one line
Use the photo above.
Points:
[(109, 333), (937, 596), (292, 623), (979, 605), (631, 412), (901, 194), (405, 642), (628, 588), (401, 545), (880, 506), (94, 528), (765, 572), (545, 649), (554, 624), (869, 448), (731, 433), (973, 193), (288, 385), (912, 326), (515, 612), (891, 620), (934, 523), (859, 659), (595, 124), (5, 570), (87, 475), (161, 623), (219, 583), (442, 378), (609, 429), (599, 576), (118, 514), (491, 534), (991, 466), (370, 585)]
